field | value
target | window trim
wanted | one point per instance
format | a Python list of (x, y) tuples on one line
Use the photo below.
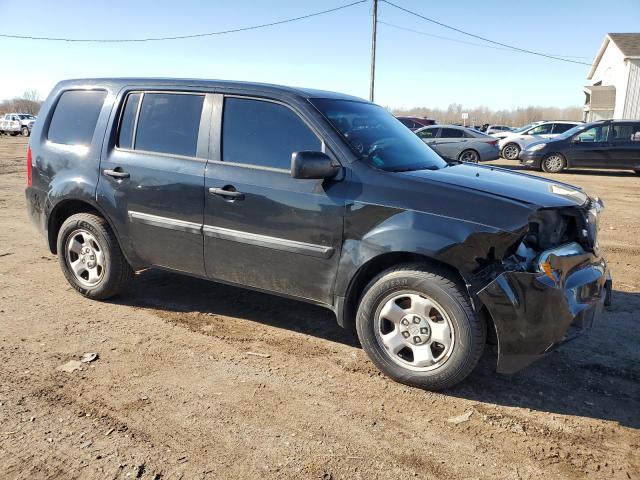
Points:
[(54, 107), (122, 105), (218, 122)]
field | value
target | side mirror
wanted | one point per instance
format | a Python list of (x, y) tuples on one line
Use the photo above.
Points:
[(312, 165)]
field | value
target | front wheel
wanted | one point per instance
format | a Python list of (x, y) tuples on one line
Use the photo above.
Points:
[(90, 256), (511, 151), (470, 156), (553, 163), (418, 327)]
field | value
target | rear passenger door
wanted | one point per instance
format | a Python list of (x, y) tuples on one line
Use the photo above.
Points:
[(625, 145), (152, 176), (263, 228)]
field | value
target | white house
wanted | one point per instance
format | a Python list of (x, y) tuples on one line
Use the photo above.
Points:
[(615, 79)]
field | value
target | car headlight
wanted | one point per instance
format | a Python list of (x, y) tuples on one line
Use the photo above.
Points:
[(537, 147)]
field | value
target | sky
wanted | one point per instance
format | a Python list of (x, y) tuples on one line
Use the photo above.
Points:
[(330, 52)]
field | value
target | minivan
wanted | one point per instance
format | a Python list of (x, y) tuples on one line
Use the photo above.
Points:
[(320, 197)]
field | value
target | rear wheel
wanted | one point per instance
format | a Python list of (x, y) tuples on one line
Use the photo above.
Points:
[(470, 156), (25, 131), (553, 163), (418, 327), (90, 256), (511, 151)]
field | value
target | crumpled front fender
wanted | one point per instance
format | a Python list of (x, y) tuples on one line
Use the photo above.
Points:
[(533, 313)]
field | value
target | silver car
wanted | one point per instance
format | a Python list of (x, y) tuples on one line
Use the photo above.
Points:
[(512, 145), (460, 143)]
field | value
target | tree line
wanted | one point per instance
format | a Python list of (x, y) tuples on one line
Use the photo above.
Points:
[(514, 117), (29, 102)]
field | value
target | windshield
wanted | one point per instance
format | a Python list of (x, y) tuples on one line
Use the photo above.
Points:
[(378, 137), (526, 127), (25, 117)]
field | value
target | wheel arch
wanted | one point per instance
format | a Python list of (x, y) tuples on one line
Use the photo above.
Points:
[(378, 264), (63, 209)]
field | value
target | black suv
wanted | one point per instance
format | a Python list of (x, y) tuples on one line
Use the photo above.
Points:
[(320, 197), (602, 144)]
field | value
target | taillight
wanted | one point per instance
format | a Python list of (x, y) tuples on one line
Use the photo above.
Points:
[(29, 168), (493, 142)]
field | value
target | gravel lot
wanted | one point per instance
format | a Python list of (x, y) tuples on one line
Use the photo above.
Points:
[(175, 392)]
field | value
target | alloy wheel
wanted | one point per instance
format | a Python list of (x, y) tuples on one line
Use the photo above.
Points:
[(511, 151)]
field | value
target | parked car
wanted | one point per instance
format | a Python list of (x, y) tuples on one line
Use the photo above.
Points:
[(497, 129), (504, 134), (414, 123), (512, 145), (320, 197), (460, 143), (602, 144), (17, 123)]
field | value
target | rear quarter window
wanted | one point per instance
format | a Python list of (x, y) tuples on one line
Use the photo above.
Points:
[(75, 116)]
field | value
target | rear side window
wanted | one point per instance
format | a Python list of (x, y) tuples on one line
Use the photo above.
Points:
[(128, 120), (75, 117), (452, 133), (624, 132), (264, 134), (168, 123)]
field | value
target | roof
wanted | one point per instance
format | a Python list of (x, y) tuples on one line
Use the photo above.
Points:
[(628, 43), (228, 85)]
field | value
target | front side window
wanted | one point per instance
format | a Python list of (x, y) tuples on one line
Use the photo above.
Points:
[(75, 117), (562, 127), (169, 123), (428, 133), (594, 134), (263, 133), (541, 129), (377, 137)]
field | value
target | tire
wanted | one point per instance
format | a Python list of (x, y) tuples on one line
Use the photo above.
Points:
[(470, 156), (106, 271), (553, 163), (25, 131), (511, 151), (410, 287)]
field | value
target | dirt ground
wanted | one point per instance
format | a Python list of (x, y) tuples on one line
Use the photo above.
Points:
[(176, 392)]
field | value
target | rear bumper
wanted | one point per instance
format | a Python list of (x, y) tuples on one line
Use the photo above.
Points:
[(35, 200), (490, 152), (534, 314)]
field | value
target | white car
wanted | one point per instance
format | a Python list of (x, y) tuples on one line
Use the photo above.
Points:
[(498, 129), (513, 144), (506, 133)]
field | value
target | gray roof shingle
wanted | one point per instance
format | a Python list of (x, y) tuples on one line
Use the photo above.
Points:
[(628, 43)]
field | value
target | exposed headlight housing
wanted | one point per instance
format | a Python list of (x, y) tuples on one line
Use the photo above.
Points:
[(537, 147)]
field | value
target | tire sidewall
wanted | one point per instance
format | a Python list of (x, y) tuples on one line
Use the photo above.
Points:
[(421, 283), (511, 145), (476, 156), (71, 226)]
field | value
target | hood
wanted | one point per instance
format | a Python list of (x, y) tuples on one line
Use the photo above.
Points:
[(504, 183)]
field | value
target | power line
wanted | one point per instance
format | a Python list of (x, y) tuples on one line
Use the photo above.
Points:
[(523, 50), (464, 41), (181, 37)]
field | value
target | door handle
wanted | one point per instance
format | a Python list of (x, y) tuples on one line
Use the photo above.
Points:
[(227, 193), (117, 173)]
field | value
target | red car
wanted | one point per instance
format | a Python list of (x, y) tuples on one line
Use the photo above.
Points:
[(414, 123)]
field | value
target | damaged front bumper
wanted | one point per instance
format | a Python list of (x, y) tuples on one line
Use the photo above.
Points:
[(535, 311)]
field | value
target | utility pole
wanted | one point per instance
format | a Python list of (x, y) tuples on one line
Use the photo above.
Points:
[(374, 30)]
